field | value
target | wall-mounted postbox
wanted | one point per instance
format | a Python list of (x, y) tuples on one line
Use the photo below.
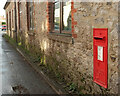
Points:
[(100, 53)]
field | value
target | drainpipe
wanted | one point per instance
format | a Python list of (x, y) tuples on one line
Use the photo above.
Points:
[(15, 21)]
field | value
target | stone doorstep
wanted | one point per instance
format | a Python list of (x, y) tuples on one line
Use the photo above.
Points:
[(56, 87)]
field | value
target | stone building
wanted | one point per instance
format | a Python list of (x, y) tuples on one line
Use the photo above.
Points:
[(10, 18), (63, 34)]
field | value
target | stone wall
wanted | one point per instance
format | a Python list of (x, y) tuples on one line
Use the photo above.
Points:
[(22, 30), (97, 15), (75, 61), (10, 8)]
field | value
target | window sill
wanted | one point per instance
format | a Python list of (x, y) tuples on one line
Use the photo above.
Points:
[(61, 34), (14, 31), (60, 37), (31, 32)]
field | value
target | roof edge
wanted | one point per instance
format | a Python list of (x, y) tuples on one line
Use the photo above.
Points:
[(6, 5)]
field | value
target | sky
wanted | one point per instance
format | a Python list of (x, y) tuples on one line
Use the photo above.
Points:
[(2, 11)]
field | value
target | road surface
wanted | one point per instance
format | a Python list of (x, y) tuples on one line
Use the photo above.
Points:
[(16, 76)]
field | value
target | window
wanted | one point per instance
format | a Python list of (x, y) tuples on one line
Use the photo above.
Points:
[(19, 13), (62, 16), (30, 15), (10, 21), (67, 15), (7, 20), (57, 15)]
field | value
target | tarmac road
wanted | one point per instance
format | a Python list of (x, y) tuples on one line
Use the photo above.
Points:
[(16, 76)]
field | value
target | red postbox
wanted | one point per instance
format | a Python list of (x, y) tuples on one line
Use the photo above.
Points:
[(100, 53)]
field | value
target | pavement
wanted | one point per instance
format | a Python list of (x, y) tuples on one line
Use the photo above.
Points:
[(16, 75)]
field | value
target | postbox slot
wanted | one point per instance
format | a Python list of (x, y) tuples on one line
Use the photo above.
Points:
[(100, 38)]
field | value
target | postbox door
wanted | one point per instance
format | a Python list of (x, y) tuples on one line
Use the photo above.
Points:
[(100, 53)]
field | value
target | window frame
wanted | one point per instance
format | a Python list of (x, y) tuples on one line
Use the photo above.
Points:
[(19, 13), (29, 13), (10, 20), (61, 20), (7, 20)]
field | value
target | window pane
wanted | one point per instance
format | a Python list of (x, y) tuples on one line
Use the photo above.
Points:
[(57, 15), (31, 15), (67, 15), (30, 20)]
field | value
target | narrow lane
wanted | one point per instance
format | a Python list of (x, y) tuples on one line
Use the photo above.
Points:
[(0, 65), (17, 76)]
